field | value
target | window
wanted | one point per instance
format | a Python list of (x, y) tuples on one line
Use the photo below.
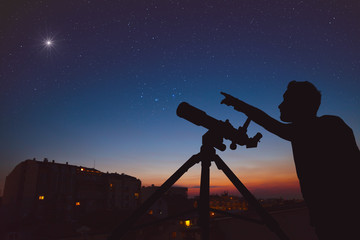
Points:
[(77, 203), (136, 195), (41, 197)]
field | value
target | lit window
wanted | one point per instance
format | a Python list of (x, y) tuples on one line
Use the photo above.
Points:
[(41, 197), (82, 169), (77, 203), (150, 212), (111, 185), (136, 195), (187, 223)]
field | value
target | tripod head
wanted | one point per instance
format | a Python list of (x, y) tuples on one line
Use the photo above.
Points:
[(218, 128)]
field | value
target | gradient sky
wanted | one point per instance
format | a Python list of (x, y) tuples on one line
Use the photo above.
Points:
[(105, 92)]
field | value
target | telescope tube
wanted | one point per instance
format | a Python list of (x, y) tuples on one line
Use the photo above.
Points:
[(196, 116), (222, 129)]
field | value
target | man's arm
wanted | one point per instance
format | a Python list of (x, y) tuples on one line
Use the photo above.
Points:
[(272, 125)]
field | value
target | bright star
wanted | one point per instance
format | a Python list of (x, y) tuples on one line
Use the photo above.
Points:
[(48, 43), (48, 46)]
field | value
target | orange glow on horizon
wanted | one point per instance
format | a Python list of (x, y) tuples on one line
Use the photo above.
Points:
[(287, 186), (264, 178), (280, 186)]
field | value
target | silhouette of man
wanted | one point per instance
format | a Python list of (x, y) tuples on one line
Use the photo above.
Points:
[(326, 157)]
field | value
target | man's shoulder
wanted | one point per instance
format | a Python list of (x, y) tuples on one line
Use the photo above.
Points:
[(334, 122), (331, 119)]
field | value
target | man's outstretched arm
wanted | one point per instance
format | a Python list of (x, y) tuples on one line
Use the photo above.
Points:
[(272, 125)]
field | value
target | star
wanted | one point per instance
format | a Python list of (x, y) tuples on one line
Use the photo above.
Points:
[(48, 46), (49, 43)]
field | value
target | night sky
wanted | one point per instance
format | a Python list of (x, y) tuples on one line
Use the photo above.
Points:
[(97, 83)]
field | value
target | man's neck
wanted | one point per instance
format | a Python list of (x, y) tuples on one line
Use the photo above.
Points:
[(305, 120)]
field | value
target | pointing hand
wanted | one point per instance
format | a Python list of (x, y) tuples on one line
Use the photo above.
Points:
[(232, 101)]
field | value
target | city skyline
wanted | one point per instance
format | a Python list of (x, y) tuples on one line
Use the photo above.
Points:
[(99, 83), (193, 190)]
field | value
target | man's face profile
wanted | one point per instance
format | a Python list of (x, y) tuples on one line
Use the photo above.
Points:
[(289, 107)]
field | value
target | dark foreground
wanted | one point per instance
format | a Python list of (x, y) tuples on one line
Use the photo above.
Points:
[(294, 222)]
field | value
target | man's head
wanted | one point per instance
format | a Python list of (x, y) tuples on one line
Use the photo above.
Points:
[(301, 101)]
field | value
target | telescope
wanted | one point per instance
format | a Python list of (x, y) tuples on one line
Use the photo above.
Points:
[(219, 128), (213, 138)]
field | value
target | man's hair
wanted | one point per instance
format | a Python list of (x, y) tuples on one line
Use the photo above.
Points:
[(307, 93)]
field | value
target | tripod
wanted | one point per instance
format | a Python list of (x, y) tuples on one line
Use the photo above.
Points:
[(206, 155)]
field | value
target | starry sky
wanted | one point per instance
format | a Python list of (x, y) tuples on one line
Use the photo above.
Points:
[(97, 83)]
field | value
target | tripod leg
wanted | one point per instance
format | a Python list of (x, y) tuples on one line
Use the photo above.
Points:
[(120, 231), (204, 200), (266, 217)]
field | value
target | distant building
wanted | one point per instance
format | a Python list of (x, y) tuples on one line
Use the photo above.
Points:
[(172, 202), (44, 188), (124, 191), (228, 203)]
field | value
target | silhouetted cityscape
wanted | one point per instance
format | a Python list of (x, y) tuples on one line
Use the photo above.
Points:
[(50, 200)]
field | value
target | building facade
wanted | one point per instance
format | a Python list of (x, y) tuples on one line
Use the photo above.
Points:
[(46, 188)]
